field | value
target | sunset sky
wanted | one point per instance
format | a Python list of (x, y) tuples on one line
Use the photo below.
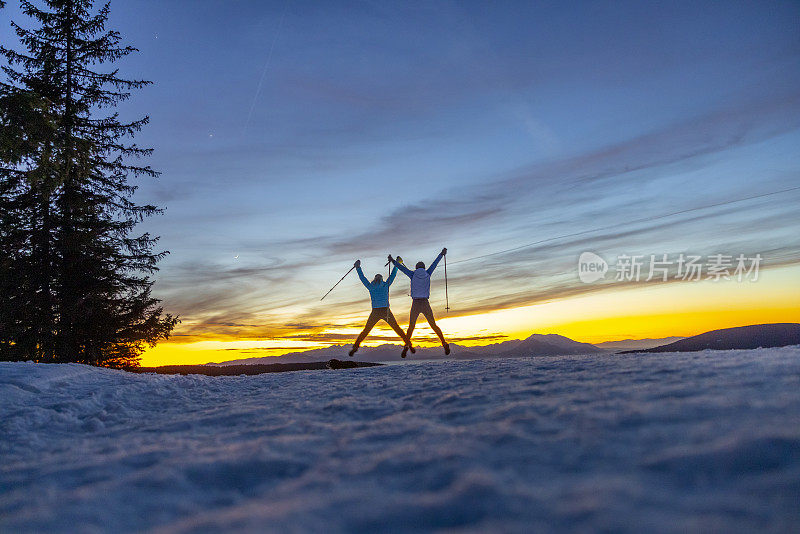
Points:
[(296, 137)]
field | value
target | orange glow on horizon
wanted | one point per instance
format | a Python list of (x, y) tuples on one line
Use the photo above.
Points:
[(678, 309)]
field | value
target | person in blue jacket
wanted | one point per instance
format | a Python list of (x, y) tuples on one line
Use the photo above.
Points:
[(379, 294), (420, 292)]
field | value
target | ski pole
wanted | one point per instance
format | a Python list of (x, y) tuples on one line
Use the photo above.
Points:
[(446, 297), (337, 283)]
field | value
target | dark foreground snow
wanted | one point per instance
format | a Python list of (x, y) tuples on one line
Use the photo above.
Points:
[(670, 442)]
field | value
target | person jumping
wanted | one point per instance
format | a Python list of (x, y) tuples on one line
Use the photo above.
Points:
[(420, 292), (379, 295)]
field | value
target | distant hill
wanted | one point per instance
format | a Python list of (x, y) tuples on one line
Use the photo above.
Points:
[(742, 337), (551, 344), (535, 345), (636, 344)]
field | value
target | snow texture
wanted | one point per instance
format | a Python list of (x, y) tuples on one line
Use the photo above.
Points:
[(673, 442)]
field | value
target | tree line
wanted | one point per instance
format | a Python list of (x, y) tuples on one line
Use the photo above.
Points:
[(75, 276)]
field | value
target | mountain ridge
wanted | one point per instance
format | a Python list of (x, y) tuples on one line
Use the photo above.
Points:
[(737, 338)]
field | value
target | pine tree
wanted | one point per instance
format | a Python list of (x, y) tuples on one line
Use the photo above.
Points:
[(25, 311), (89, 295)]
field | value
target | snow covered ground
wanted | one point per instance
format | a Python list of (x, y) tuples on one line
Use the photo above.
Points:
[(668, 443)]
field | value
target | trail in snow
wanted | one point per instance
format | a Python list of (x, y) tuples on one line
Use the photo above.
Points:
[(670, 442)]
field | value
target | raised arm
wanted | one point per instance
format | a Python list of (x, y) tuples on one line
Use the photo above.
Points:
[(402, 267), (391, 276), (436, 261), (361, 274)]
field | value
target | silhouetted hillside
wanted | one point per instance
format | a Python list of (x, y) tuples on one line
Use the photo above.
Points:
[(550, 345), (742, 337)]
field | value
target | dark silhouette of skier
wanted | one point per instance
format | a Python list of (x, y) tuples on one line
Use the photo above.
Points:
[(379, 295), (420, 292)]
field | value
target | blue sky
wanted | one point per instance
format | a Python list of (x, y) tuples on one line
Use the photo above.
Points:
[(303, 135)]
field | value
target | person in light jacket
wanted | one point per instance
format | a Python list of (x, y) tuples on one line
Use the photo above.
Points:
[(379, 295), (420, 292)]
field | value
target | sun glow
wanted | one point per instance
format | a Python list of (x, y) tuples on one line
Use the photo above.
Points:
[(651, 311)]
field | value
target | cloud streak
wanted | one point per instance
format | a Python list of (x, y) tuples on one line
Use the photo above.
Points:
[(371, 142)]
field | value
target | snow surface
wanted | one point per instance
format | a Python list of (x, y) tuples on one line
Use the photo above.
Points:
[(670, 442)]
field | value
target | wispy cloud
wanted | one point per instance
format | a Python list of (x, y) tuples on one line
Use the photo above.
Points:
[(646, 175), (404, 128)]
